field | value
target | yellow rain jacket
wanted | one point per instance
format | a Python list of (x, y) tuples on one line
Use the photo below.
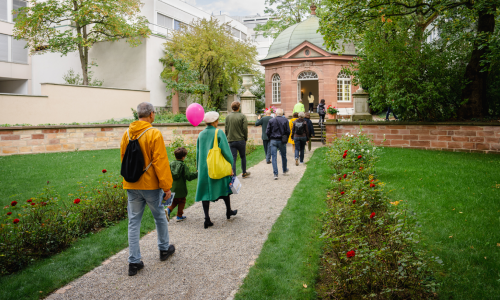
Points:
[(158, 176), (290, 123)]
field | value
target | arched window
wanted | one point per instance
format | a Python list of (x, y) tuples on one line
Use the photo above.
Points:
[(276, 89), (308, 75), (343, 87)]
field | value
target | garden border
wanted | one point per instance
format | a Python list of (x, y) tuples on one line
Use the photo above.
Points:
[(447, 136)]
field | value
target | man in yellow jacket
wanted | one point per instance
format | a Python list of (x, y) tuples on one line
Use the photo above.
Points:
[(150, 188)]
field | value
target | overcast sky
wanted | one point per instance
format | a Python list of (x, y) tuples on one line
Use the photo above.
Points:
[(230, 7)]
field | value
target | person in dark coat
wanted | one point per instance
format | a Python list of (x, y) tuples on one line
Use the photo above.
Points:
[(277, 130), (300, 135), (322, 111), (263, 121), (310, 126)]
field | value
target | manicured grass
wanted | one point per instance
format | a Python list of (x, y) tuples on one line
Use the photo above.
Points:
[(456, 198), (64, 170), (290, 256)]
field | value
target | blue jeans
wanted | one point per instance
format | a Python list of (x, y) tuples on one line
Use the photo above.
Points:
[(267, 149), (300, 145), (275, 145), (137, 200)]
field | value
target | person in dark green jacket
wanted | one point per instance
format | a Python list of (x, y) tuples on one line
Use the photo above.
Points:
[(265, 139), (208, 189), (236, 127), (180, 173)]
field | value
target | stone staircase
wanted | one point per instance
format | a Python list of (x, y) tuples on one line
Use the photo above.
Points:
[(317, 128)]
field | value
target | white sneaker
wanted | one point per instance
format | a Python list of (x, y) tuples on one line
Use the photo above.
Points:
[(275, 177)]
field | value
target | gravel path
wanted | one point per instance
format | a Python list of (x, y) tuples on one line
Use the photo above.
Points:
[(208, 263)]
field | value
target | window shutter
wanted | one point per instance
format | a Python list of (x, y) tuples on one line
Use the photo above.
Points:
[(243, 36), (19, 53), (3, 10), (164, 21), (4, 47), (16, 4)]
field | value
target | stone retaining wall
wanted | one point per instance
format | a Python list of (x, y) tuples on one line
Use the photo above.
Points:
[(44, 139), (478, 137)]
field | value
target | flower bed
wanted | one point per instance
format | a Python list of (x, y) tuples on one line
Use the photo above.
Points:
[(44, 225), (369, 249)]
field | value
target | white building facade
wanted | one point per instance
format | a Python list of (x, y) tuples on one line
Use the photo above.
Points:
[(15, 63)]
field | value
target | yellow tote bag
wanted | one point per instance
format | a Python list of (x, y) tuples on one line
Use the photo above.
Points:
[(218, 166)]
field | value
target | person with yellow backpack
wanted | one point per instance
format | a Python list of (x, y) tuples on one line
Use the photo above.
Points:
[(214, 163)]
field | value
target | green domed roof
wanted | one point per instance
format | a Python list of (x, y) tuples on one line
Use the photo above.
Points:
[(295, 35)]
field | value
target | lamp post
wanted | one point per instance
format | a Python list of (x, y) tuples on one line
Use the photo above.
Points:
[(247, 98)]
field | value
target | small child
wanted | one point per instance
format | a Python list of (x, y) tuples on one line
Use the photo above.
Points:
[(180, 173)]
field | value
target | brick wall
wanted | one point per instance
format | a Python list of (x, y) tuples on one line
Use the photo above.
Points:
[(44, 139), (484, 137)]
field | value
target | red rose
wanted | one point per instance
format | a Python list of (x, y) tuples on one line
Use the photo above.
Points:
[(361, 168), (13, 203), (104, 171), (342, 193), (16, 221), (372, 180), (353, 201), (33, 203), (346, 151), (372, 215), (351, 254), (76, 201), (114, 186), (43, 203), (345, 154), (340, 179), (29, 200), (9, 213), (353, 172), (372, 185), (359, 156), (345, 175)]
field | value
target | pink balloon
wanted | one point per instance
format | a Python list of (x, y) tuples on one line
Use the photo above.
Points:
[(195, 114)]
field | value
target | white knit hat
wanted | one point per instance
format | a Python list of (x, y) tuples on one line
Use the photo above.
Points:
[(211, 116)]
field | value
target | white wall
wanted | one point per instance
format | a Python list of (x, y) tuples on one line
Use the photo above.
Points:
[(120, 65), (153, 70), (50, 67)]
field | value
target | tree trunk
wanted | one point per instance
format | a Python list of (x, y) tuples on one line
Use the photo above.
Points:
[(474, 92), (85, 62)]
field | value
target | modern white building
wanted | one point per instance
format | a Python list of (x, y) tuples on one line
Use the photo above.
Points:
[(262, 43), (15, 64)]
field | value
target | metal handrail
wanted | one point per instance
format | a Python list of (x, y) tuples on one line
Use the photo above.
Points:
[(323, 133)]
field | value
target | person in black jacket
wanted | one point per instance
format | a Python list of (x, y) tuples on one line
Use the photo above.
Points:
[(277, 130), (322, 111), (265, 140), (300, 135), (310, 126)]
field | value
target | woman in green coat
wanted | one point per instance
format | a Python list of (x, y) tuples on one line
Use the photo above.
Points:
[(208, 189)]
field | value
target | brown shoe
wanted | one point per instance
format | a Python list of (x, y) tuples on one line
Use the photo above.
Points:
[(245, 175)]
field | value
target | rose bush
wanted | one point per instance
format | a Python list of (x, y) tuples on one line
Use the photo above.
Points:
[(369, 248), (47, 224)]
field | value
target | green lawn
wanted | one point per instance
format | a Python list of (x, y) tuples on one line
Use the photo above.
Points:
[(23, 176), (290, 256), (456, 198)]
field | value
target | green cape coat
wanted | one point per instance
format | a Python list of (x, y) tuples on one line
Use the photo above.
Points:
[(209, 189)]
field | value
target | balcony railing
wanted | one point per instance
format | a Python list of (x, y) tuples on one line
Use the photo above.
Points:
[(160, 30)]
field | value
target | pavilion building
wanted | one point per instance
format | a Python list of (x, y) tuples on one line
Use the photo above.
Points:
[(299, 63)]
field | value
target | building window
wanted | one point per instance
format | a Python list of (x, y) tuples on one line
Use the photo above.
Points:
[(243, 36), (343, 87), (19, 52), (4, 10), (16, 4), (276, 89), (164, 21), (4, 47), (235, 32), (308, 75), (178, 25)]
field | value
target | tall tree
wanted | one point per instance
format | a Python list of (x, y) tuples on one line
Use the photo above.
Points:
[(285, 14), (209, 48), (87, 22), (348, 20)]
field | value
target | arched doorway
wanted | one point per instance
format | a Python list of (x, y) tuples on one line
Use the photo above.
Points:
[(307, 82)]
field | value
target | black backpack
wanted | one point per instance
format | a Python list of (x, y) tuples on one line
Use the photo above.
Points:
[(299, 128), (321, 110), (133, 160)]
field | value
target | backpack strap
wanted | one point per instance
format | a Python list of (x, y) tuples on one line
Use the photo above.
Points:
[(128, 134)]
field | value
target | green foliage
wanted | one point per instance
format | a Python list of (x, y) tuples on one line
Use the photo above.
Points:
[(422, 80), (208, 48), (180, 78), (177, 142), (41, 226), (259, 90), (285, 14), (369, 248), (75, 78), (86, 22)]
